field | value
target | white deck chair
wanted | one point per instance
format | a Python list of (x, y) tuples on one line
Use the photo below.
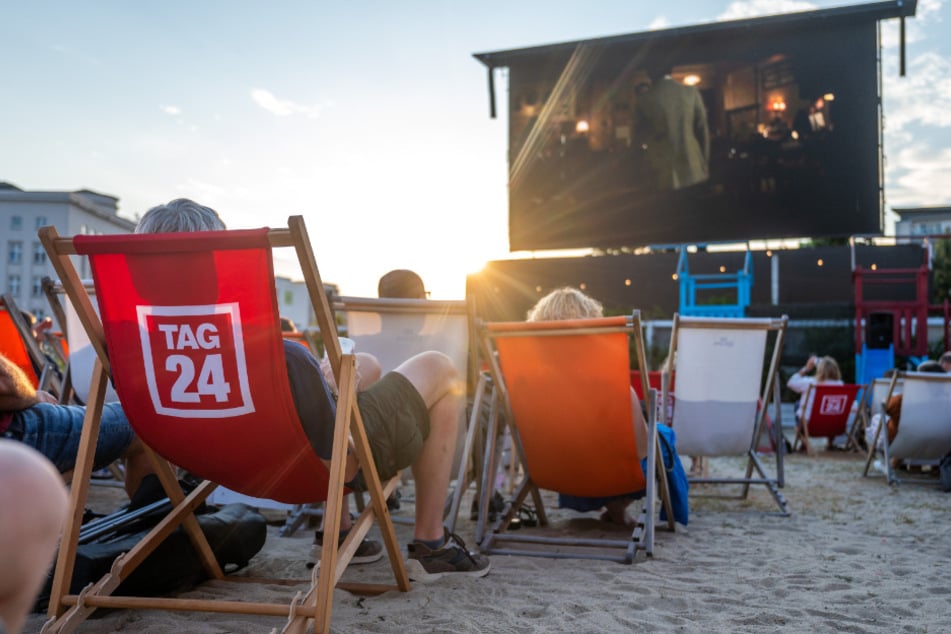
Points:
[(720, 386), (924, 430), (393, 330)]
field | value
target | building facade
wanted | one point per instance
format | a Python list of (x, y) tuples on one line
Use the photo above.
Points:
[(23, 261), (922, 221)]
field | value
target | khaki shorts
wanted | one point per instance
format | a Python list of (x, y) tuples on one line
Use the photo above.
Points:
[(397, 423)]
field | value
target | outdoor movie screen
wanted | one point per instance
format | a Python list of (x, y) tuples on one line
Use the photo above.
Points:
[(698, 138)]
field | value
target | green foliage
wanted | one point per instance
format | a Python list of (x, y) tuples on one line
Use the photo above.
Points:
[(941, 270)]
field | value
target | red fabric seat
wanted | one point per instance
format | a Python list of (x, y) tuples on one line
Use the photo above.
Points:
[(199, 367)]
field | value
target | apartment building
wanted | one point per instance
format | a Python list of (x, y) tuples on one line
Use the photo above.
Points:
[(23, 261)]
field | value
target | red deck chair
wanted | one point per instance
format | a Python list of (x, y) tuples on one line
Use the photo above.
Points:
[(192, 330), (827, 413)]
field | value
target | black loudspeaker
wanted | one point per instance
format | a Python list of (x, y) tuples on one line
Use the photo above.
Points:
[(879, 329)]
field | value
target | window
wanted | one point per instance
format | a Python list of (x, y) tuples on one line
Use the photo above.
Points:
[(41, 221), (15, 252), (16, 223), (39, 253), (36, 289), (13, 285), (288, 297)]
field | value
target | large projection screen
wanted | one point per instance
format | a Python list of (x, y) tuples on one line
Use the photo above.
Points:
[(757, 133)]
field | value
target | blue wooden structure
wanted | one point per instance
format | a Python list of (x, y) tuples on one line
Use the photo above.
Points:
[(740, 281)]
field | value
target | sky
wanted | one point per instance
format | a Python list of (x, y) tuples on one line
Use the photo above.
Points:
[(370, 118)]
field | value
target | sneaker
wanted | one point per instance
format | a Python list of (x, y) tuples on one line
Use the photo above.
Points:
[(368, 551), (452, 558)]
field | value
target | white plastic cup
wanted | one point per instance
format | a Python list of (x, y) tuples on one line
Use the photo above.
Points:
[(346, 345)]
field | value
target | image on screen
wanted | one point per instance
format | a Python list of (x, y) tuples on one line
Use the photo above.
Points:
[(699, 138)]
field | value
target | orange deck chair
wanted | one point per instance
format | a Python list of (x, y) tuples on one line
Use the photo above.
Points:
[(566, 394), (826, 413), (190, 333)]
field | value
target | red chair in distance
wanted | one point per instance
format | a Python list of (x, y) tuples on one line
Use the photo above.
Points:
[(827, 412)]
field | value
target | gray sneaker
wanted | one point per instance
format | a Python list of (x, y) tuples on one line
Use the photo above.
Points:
[(367, 552), (452, 558)]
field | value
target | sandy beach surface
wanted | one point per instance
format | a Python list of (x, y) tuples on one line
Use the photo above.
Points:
[(854, 556)]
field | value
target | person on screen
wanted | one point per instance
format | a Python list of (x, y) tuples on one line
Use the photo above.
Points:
[(671, 124)]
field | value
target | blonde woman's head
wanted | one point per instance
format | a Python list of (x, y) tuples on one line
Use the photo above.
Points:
[(565, 303), (828, 370)]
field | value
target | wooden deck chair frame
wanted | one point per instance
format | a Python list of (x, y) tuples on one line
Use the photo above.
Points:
[(53, 289), (311, 607), (493, 540), (43, 370), (924, 431), (873, 402), (828, 408), (768, 393), (401, 347)]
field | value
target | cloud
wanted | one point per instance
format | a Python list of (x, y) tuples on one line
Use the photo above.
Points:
[(922, 96), (660, 22), (282, 107), (171, 110), (750, 8), (921, 179)]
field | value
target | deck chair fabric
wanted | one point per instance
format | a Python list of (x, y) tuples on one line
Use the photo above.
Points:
[(924, 430), (724, 389), (18, 344), (192, 331), (827, 412), (565, 391), (395, 329), (12, 343)]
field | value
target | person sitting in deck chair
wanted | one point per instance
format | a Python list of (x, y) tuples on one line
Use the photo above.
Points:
[(570, 303)]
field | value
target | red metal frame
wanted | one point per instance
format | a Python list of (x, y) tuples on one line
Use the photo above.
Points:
[(906, 313)]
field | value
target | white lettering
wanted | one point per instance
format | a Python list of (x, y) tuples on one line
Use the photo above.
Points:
[(168, 330), (208, 336)]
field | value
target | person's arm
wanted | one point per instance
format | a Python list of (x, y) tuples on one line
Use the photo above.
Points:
[(16, 391), (799, 382)]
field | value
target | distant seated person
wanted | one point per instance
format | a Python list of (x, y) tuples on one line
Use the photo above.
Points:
[(945, 361), (827, 373), (401, 283), (893, 407), (570, 303), (287, 325)]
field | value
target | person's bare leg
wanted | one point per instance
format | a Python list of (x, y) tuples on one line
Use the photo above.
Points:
[(436, 379), (34, 502), (369, 370)]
